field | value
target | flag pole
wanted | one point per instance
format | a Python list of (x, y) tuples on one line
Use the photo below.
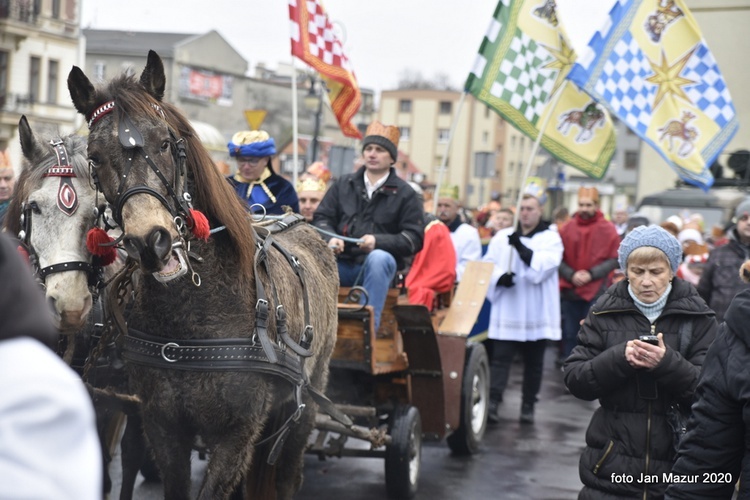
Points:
[(442, 169), (295, 125), (534, 150)]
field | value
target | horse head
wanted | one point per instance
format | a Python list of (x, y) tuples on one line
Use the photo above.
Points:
[(151, 167), (52, 211)]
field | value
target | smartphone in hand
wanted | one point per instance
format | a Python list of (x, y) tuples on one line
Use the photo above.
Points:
[(650, 339)]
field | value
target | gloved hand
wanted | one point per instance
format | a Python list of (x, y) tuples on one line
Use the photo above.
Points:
[(514, 239), (506, 280)]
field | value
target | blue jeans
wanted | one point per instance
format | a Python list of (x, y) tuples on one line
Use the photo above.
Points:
[(375, 275), (572, 312)]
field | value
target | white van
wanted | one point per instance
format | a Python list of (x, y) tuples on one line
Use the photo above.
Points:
[(716, 206)]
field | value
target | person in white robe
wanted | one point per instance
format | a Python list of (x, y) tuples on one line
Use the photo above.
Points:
[(465, 237), (525, 298)]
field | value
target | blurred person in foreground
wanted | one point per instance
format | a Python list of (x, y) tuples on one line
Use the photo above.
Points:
[(636, 382), (715, 451), (719, 282), (49, 447), (525, 302)]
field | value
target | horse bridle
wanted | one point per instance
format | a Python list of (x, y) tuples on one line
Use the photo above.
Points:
[(132, 140), (67, 202)]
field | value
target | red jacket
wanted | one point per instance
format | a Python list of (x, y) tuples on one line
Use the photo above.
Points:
[(588, 243)]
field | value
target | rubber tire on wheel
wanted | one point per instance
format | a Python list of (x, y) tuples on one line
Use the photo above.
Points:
[(403, 455), (475, 401)]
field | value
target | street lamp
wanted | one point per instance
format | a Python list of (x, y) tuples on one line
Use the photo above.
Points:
[(315, 97)]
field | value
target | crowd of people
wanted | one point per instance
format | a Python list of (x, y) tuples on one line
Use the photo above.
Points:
[(633, 306)]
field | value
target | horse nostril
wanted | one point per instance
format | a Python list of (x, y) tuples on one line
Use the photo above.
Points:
[(52, 303), (132, 245), (160, 242)]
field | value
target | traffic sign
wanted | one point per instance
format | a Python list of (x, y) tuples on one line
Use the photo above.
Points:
[(255, 118)]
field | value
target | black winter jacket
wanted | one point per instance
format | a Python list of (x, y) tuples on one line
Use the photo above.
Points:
[(629, 433), (720, 280), (394, 216), (716, 448)]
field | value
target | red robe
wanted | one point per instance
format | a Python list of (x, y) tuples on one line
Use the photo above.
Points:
[(587, 243), (434, 268)]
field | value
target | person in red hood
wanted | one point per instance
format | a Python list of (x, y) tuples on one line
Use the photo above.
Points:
[(590, 255)]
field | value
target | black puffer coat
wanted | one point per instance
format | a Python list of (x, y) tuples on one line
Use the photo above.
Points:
[(629, 433), (394, 216), (716, 448)]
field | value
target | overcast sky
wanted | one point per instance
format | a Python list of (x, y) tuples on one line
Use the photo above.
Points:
[(382, 38)]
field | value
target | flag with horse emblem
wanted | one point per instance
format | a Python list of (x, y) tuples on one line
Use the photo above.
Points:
[(652, 68), (523, 61), (314, 41)]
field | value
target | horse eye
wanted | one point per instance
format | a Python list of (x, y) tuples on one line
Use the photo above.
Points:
[(165, 146)]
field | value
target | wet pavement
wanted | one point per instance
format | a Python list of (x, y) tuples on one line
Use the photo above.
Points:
[(516, 461)]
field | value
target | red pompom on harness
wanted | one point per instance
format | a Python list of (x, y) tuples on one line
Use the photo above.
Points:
[(199, 225), (95, 240)]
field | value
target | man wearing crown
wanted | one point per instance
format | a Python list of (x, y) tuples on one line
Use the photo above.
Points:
[(378, 215)]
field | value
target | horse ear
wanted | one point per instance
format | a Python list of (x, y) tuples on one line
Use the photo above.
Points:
[(28, 141), (152, 78), (82, 92)]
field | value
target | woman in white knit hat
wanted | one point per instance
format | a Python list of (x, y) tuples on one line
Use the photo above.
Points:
[(630, 444)]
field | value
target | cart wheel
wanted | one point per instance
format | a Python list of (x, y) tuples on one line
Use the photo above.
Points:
[(475, 398), (403, 455)]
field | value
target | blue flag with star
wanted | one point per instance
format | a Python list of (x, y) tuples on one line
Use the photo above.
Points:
[(651, 67)]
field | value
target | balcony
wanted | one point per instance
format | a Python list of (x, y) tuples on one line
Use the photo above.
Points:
[(19, 17), (15, 103)]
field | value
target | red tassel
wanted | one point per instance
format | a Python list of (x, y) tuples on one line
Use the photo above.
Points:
[(199, 225), (95, 238)]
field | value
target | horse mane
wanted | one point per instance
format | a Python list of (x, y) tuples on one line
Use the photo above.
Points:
[(30, 177), (211, 193)]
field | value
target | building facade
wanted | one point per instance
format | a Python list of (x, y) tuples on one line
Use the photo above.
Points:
[(39, 43)]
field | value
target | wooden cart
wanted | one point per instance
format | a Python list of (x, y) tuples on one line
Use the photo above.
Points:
[(416, 377)]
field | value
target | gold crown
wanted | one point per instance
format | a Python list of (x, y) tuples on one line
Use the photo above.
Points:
[(388, 131), (448, 191), (589, 192), (311, 185), (5, 159), (320, 171)]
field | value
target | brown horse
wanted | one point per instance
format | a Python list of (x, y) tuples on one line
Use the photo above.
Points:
[(204, 355)]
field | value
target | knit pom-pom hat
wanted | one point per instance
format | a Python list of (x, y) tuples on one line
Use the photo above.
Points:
[(651, 236)]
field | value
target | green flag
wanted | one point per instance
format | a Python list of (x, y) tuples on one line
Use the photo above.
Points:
[(522, 62)]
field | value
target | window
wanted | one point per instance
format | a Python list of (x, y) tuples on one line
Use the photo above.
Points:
[(486, 111), (446, 107), (632, 158), (52, 75), (55, 9), (485, 137), (99, 70), (3, 77), (443, 135), (404, 105), (405, 133), (34, 68)]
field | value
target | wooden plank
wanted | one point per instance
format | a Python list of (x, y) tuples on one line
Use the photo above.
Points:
[(468, 299)]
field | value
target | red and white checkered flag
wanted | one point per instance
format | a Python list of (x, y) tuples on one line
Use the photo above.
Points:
[(314, 41)]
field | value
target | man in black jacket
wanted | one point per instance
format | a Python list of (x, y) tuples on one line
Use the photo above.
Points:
[(719, 281), (378, 214)]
